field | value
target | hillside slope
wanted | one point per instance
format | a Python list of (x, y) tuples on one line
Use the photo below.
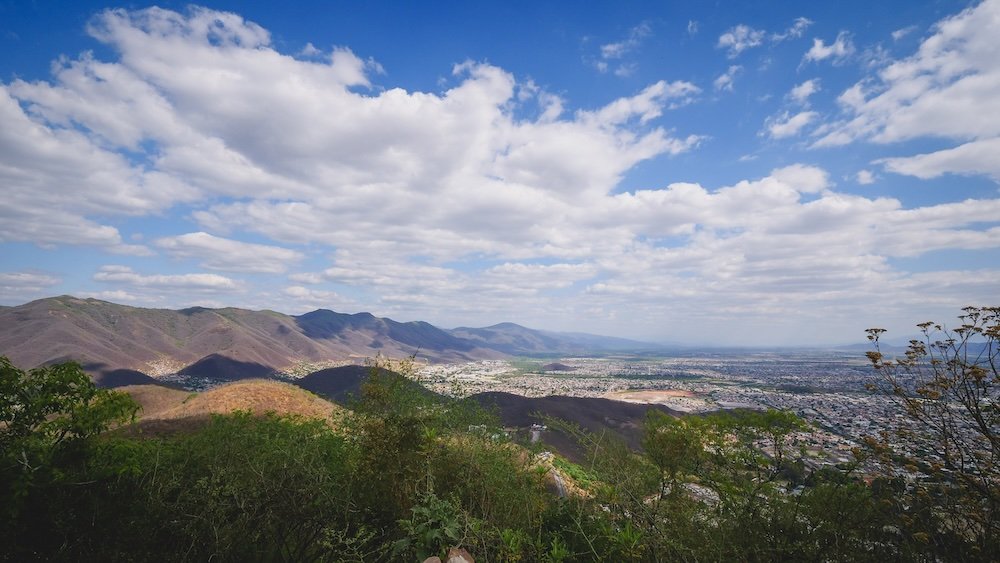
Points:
[(342, 384), (239, 343), (595, 415), (113, 336), (517, 340), (168, 411)]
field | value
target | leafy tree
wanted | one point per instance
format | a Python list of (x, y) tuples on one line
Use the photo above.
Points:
[(47, 415), (49, 420), (948, 385)]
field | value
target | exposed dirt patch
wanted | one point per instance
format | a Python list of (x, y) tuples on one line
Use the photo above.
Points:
[(649, 395)]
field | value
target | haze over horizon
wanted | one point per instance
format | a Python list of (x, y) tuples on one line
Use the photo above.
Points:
[(746, 174)]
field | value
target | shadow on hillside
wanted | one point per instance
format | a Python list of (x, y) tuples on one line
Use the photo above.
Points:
[(106, 377), (223, 368)]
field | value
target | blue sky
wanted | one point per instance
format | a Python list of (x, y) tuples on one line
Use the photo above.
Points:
[(740, 173)]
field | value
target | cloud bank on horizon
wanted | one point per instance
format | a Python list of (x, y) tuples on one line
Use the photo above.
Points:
[(806, 183)]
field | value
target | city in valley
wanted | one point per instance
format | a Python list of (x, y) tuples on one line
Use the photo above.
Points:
[(825, 388)]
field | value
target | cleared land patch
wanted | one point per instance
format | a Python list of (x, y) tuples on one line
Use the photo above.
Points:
[(677, 399)]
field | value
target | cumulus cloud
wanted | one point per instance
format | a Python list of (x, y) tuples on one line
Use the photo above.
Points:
[(216, 253), (865, 177), (453, 205), (725, 80), (124, 275), (310, 50), (303, 299), (326, 163), (788, 125), (974, 157), (740, 38), (903, 32), (838, 51), (798, 27), (758, 248), (611, 52), (23, 285), (54, 177), (946, 90), (619, 49), (800, 93)]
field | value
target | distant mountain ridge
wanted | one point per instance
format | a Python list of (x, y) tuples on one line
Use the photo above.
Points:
[(515, 340), (198, 339)]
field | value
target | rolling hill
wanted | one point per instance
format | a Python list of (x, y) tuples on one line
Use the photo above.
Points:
[(516, 340), (596, 415), (620, 419), (342, 384), (166, 410), (121, 343), (99, 333)]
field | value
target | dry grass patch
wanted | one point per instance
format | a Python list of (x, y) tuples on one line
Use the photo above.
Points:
[(256, 395), (155, 399)]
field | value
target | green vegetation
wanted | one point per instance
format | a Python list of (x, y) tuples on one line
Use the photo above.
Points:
[(579, 474), (527, 366), (948, 384), (405, 474)]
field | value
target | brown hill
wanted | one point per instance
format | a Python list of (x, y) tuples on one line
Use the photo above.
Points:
[(168, 411), (156, 341), (111, 378), (256, 395), (155, 399), (222, 368)]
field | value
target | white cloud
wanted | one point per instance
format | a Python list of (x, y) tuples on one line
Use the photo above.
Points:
[(725, 81), (798, 27), (454, 206), (974, 157), (54, 177), (875, 56), (841, 48), (618, 50), (625, 70), (758, 249), (692, 28), (10, 281), (800, 93), (865, 177), (310, 50), (217, 253), (187, 282), (903, 32), (122, 296), (23, 285), (334, 165), (536, 276), (740, 38), (304, 299), (946, 90), (788, 125), (306, 277)]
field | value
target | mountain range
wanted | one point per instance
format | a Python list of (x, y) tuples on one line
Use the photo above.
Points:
[(111, 338)]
